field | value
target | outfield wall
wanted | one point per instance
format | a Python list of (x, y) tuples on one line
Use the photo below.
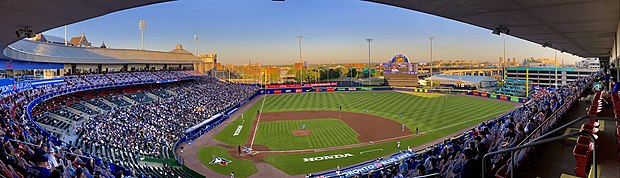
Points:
[(499, 96)]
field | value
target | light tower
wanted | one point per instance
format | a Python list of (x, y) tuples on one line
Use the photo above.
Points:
[(196, 44), (301, 71), (431, 69), (142, 26), (369, 40)]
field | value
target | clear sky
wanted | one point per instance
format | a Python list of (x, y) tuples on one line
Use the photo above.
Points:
[(334, 32)]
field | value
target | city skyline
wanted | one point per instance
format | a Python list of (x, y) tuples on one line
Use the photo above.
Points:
[(334, 32)]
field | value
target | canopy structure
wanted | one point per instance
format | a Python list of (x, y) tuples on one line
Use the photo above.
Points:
[(19, 18), (582, 27), (34, 51)]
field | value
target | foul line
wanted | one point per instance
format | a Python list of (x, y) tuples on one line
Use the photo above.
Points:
[(257, 121), (367, 151)]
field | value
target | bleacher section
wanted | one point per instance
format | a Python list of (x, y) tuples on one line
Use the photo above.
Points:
[(97, 79), (118, 101), (145, 76), (76, 81), (99, 104), (67, 114), (402, 80), (513, 87), (45, 119), (82, 108), (140, 97), (161, 93)]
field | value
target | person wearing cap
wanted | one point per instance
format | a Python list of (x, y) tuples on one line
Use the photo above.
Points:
[(471, 168), (510, 133), (51, 157), (39, 170)]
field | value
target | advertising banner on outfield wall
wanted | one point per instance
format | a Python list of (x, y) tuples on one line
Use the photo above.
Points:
[(324, 84), (363, 168)]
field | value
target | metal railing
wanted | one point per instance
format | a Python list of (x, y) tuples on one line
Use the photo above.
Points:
[(535, 143), (428, 175), (539, 140), (549, 121)]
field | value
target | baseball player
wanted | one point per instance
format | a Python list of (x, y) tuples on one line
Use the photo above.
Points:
[(398, 144), (402, 127), (303, 126)]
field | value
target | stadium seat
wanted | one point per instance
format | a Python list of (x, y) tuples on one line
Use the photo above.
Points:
[(589, 128), (584, 140), (501, 173), (582, 155)]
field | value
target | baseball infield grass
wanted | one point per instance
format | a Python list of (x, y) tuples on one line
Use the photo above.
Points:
[(437, 115), (242, 168), (277, 135)]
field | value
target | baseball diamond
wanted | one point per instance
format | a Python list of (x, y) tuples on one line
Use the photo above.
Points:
[(369, 120)]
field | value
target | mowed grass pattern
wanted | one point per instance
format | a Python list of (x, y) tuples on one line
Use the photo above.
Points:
[(277, 135), (426, 111)]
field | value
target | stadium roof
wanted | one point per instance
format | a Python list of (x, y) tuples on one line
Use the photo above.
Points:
[(586, 28), (42, 15), (35, 51)]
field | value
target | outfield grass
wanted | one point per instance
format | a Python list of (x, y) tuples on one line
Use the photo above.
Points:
[(242, 168), (425, 111), (432, 113), (277, 135)]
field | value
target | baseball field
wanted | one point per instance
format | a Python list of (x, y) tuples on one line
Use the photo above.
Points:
[(300, 134)]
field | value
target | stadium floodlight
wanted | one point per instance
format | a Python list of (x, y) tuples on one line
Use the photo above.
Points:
[(431, 71), (196, 43), (496, 31), (142, 26), (501, 29), (25, 32), (301, 67), (369, 40)]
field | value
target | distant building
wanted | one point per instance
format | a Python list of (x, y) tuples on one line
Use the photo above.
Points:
[(589, 63), (541, 62), (48, 39), (299, 65), (80, 41), (208, 62), (546, 76)]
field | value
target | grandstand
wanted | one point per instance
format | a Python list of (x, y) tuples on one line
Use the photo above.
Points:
[(86, 111), (513, 87)]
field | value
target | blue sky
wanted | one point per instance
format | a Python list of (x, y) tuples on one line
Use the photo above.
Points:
[(334, 32)]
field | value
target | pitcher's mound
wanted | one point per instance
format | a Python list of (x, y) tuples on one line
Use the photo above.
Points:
[(300, 133)]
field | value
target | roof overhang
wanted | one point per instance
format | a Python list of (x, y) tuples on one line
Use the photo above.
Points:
[(585, 28), (42, 15)]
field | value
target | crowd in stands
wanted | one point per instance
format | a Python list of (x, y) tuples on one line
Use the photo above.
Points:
[(150, 126), (29, 151), (461, 156), (83, 80)]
